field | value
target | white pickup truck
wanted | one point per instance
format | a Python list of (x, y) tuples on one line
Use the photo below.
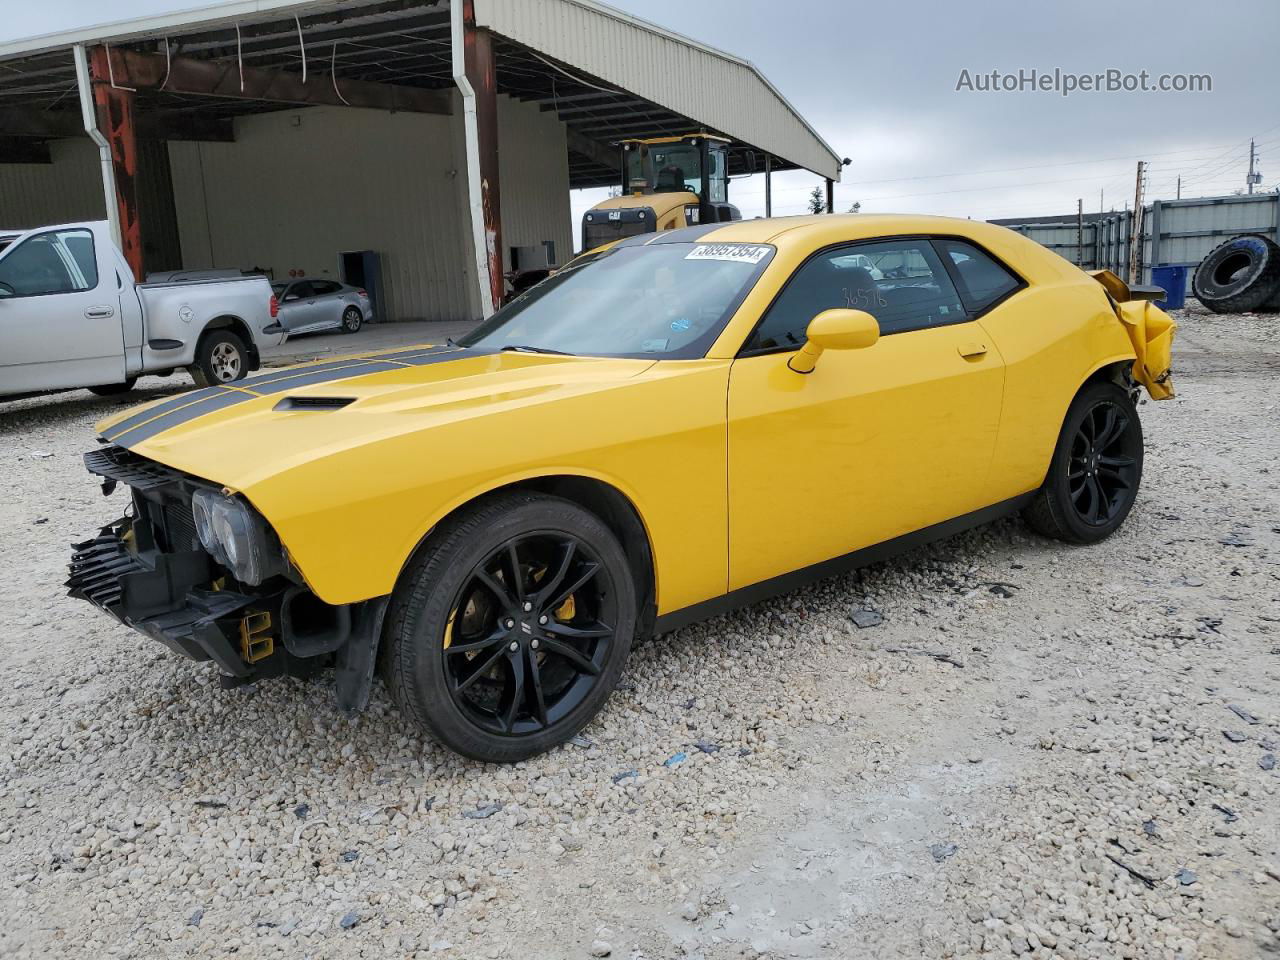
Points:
[(71, 316)]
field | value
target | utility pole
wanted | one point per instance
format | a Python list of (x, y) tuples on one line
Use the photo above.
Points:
[(1080, 232), (1102, 200), (1250, 180), (1179, 196), (1135, 229)]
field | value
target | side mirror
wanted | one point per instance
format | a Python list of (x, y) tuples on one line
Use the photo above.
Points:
[(835, 330)]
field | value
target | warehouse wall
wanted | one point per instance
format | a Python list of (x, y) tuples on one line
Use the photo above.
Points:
[(533, 165), (296, 188), (70, 188)]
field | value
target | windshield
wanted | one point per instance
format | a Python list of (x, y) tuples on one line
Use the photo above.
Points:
[(660, 300), (677, 167)]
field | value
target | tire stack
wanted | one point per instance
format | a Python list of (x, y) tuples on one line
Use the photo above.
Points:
[(1240, 276)]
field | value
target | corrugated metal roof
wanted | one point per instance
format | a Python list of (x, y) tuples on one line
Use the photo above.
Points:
[(606, 74), (724, 92)]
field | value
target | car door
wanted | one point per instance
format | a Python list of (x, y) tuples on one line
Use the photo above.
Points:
[(329, 302), (874, 443), (59, 313), (297, 307), (1050, 337)]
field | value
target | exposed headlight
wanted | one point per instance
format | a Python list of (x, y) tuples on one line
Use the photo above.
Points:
[(236, 536)]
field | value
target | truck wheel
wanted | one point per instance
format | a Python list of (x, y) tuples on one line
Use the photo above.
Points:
[(512, 627), (220, 358), (114, 389), (352, 318), (1238, 276), (1095, 471)]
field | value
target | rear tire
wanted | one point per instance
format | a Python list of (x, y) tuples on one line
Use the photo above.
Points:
[(1096, 469), (114, 389), (352, 319), (221, 357), (500, 666)]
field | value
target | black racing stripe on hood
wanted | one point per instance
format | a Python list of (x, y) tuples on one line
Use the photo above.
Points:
[(219, 401), (440, 356), (191, 406), (305, 378), (333, 367), (427, 349), (173, 403)]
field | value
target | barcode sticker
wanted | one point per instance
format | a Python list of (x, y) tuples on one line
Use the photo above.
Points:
[(732, 252)]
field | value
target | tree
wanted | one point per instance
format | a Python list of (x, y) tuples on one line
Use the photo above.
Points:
[(857, 207), (817, 202)]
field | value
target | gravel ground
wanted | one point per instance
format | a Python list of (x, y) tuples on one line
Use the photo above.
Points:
[(1038, 751)]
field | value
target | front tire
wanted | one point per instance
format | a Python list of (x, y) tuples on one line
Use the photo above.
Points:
[(512, 627), (1096, 468), (221, 357)]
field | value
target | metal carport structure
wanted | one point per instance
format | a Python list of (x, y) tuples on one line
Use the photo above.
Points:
[(194, 75)]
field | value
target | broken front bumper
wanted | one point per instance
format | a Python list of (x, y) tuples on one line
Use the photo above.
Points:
[(161, 596)]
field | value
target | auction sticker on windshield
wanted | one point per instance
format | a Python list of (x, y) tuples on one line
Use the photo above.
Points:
[(733, 252)]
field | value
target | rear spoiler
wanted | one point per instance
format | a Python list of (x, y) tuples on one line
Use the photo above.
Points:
[(1122, 292)]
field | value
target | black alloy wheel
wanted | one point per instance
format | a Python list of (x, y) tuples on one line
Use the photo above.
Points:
[(1101, 473), (529, 634), (1096, 469), (511, 627)]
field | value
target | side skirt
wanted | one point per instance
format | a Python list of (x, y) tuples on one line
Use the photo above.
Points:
[(787, 582)]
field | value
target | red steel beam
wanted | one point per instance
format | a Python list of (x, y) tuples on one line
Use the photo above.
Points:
[(482, 74), (226, 79), (114, 106)]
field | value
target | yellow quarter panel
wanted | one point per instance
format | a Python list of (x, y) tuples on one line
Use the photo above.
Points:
[(1052, 338)]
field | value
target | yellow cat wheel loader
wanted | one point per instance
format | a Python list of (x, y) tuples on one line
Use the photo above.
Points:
[(667, 183)]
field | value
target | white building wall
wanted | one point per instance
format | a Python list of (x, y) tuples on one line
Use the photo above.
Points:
[(297, 188), (69, 189), (533, 167)]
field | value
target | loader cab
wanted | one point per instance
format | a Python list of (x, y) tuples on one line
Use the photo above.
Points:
[(667, 183)]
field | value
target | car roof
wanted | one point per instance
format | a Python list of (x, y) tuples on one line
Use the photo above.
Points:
[(853, 226), (806, 234)]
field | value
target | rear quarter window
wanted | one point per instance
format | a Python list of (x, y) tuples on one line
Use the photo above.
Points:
[(982, 280)]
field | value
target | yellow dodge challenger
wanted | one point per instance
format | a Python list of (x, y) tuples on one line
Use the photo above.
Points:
[(690, 421)]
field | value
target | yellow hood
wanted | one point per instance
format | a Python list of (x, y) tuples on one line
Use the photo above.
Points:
[(238, 435)]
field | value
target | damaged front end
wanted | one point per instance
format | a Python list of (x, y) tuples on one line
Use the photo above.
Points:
[(201, 572)]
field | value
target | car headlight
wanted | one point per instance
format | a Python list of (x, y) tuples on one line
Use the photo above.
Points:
[(236, 536)]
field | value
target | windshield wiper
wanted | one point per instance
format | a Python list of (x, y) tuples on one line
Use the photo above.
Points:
[(524, 348)]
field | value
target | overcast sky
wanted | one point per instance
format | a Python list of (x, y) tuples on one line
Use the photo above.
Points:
[(878, 81)]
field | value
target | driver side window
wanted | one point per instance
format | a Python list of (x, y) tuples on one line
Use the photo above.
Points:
[(61, 261), (901, 283)]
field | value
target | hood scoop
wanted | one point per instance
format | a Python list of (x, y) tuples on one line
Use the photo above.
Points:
[(317, 404)]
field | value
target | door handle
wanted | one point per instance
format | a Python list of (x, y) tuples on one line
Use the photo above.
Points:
[(974, 348), (99, 313)]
